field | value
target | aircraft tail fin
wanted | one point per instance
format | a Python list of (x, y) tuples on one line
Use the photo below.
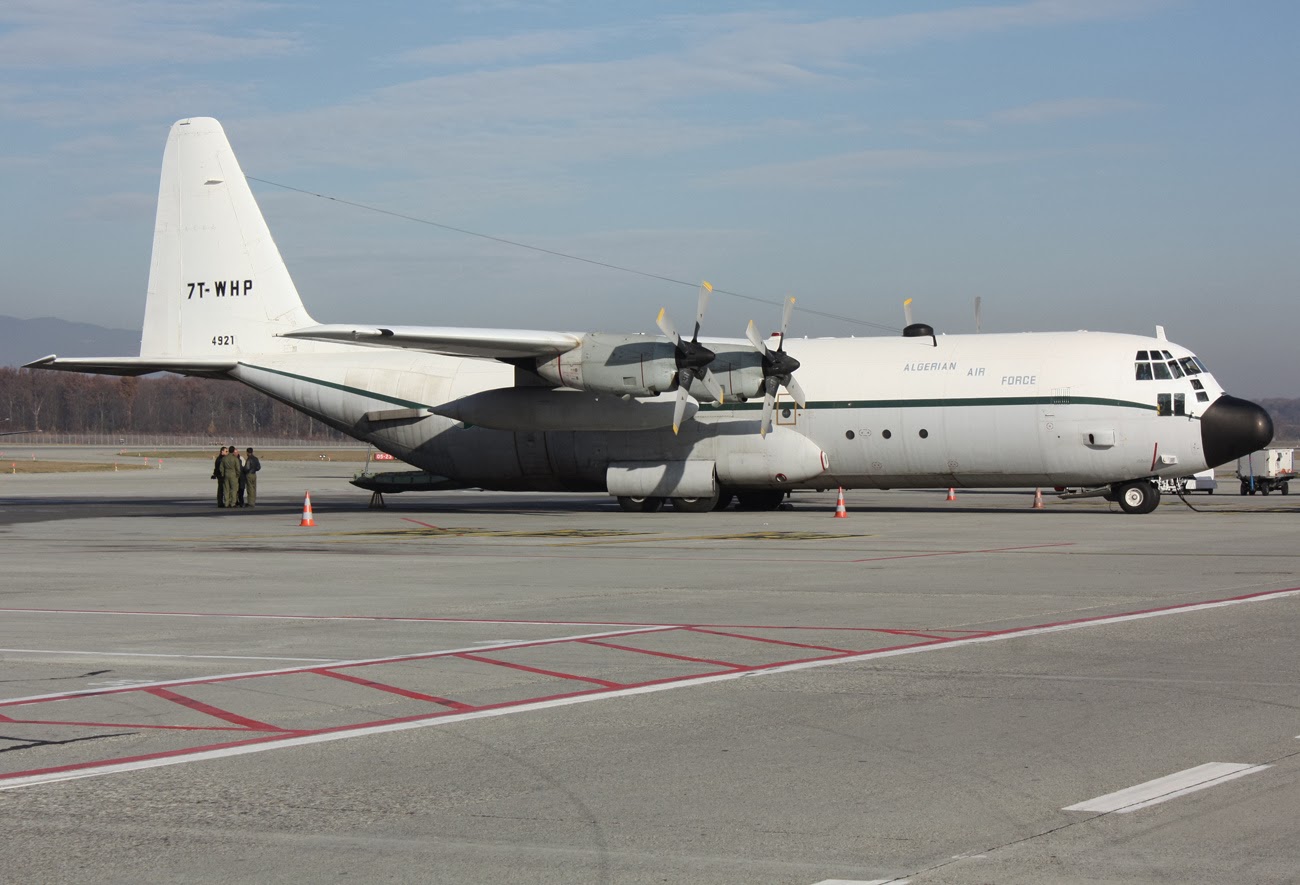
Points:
[(218, 287)]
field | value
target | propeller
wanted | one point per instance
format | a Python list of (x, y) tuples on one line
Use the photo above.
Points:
[(692, 358), (977, 313), (907, 312), (778, 369)]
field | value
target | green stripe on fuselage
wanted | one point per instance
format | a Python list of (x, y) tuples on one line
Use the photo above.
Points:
[(757, 405)]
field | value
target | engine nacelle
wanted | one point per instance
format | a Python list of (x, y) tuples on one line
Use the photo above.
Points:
[(739, 372), (620, 364)]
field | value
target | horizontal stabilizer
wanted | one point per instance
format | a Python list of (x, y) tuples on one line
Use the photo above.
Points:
[(448, 340), (134, 365)]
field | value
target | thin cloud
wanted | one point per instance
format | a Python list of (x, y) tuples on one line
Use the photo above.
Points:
[(82, 34), (496, 50)]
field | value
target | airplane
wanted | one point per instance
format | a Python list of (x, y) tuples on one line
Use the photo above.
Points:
[(655, 418)]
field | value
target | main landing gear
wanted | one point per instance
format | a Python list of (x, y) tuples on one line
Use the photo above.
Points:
[(761, 499)]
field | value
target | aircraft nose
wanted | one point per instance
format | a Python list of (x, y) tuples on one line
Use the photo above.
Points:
[(1233, 427)]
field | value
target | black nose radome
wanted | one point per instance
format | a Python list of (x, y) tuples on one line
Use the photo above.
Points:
[(1233, 427)]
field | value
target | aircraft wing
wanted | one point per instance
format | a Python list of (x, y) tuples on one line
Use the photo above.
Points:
[(134, 365), (448, 340)]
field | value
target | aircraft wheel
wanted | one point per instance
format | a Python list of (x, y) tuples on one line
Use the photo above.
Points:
[(640, 505), (766, 499), (695, 505), (725, 498), (1138, 496)]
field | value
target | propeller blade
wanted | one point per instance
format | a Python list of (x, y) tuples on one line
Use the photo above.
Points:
[(977, 313), (706, 289), (666, 326), (907, 312), (785, 319), (751, 332), (795, 391), (711, 384), (769, 405), (679, 407)]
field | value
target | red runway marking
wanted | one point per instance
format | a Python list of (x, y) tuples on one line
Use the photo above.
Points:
[(380, 686), (78, 724), (558, 675), (843, 651), (209, 710), (912, 633), (663, 654)]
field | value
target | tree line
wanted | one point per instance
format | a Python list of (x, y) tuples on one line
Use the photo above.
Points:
[(65, 402)]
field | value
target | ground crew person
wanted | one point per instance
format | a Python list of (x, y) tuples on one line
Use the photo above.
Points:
[(216, 474), (252, 464), (230, 476)]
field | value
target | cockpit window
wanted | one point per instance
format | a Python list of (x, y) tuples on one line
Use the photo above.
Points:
[(1201, 363), (1162, 372), (1143, 371), (1142, 356), (1173, 367), (1189, 365)]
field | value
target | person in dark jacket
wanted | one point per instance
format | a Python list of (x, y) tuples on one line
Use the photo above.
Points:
[(216, 474), (252, 464)]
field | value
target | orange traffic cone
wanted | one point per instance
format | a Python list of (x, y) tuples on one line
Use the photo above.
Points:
[(1038, 499), (952, 494), (840, 512), (306, 511)]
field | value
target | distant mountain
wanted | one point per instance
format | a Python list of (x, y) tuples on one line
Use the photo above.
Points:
[(22, 341)]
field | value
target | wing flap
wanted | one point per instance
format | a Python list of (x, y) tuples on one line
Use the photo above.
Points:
[(447, 340)]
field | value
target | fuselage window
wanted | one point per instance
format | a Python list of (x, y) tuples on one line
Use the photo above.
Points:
[(1173, 367), (1143, 371), (1189, 366), (1162, 372), (1180, 404)]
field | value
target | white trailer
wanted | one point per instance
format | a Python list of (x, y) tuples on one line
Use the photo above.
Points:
[(1266, 471)]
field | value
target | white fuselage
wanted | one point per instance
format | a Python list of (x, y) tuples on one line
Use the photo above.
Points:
[(1006, 410)]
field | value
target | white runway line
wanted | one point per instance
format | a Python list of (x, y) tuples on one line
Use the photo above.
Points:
[(862, 882), (1171, 786)]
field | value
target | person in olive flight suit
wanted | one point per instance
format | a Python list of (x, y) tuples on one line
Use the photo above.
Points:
[(252, 464), (230, 468)]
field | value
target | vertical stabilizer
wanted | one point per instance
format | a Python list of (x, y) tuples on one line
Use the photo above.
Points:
[(217, 284)]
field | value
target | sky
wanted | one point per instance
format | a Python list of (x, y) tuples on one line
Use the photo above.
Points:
[(1076, 164)]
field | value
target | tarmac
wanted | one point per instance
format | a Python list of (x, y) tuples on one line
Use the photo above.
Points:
[(511, 688)]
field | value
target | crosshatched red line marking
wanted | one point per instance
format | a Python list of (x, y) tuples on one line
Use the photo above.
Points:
[(664, 654), (860, 655), (406, 693), (558, 675), (136, 725), (843, 651), (208, 709), (912, 633)]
